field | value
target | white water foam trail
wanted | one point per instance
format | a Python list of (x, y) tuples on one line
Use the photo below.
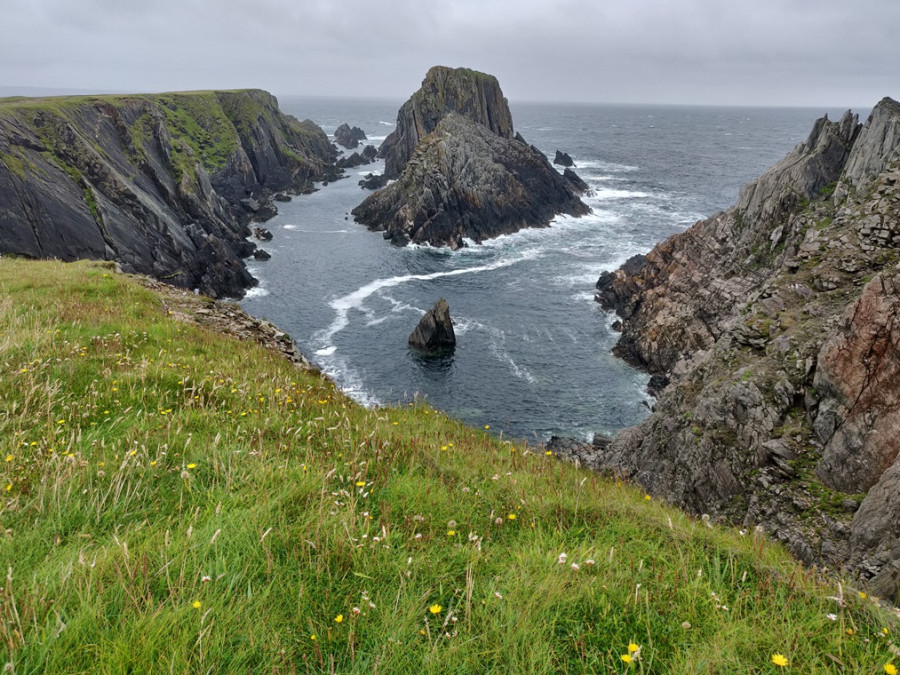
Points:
[(354, 300)]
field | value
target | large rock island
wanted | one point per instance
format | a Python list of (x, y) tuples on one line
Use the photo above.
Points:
[(163, 184), (778, 322), (460, 168)]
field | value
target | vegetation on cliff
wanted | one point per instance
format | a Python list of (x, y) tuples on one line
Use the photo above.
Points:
[(164, 184), (175, 500)]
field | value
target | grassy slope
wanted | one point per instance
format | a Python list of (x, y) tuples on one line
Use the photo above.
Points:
[(174, 500)]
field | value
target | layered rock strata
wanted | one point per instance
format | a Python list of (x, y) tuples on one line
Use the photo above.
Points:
[(776, 322), (461, 170), (434, 333), (163, 184)]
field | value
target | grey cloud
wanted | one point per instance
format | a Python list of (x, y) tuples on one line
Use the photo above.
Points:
[(826, 52)]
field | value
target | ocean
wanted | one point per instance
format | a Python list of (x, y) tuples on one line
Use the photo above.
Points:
[(533, 348)]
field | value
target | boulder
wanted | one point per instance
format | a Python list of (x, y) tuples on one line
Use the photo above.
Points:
[(563, 159), (262, 233), (261, 254), (368, 155), (348, 137), (434, 334)]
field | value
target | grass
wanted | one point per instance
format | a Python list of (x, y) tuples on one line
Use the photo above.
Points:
[(174, 500)]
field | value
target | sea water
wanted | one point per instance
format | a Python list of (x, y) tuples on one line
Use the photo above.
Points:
[(533, 348)]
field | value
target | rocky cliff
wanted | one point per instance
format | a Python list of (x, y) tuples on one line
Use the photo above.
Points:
[(164, 184), (460, 169), (777, 323)]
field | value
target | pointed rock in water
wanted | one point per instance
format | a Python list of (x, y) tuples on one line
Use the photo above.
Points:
[(563, 159), (434, 334), (349, 137), (461, 170)]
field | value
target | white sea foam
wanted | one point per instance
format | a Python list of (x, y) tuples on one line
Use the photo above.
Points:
[(611, 167), (355, 300), (289, 227), (388, 124), (256, 292), (328, 351), (603, 194)]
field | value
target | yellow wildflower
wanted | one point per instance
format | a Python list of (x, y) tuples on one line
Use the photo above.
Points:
[(339, 618), (360, 483), (511, 516), (632, 648), (647, 498), (626, 658), (487, 426), (890, 669), (779, 660), (312, 637), (9, 458), (197, 604), (435, 609), (451, 533), (192, 465)]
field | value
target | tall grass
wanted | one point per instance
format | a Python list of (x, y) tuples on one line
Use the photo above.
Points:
[(174, 500)]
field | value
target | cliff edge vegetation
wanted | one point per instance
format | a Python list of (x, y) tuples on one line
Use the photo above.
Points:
[(173, 499), (164, 184), (777, 322)]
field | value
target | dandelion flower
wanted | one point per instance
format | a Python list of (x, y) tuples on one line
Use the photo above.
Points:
[(192, 465), (339, 618), (647, 498), (360, 483), (197, 604), (890, 669), (312, 637), (511, 516), (548, 453), (435, 609), (779, 660), (451, 533), (632, 648), (9, 458), (862, 595), (626, 658), (487, 426)]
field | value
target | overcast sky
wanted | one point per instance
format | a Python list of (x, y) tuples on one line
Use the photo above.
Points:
[(732, 52)]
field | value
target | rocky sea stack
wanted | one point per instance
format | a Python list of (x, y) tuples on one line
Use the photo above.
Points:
[(461, 170), (434, 334), (164, 184), (778, 324)]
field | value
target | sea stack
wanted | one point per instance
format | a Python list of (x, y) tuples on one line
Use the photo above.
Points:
[(461, 170), (434, 334)]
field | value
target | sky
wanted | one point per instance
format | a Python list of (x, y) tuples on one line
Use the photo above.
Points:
[(709, 52)]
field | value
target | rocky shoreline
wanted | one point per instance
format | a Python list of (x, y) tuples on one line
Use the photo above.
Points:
[(777, 323)]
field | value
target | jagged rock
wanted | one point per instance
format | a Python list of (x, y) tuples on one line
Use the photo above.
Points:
[(368, 155), (349, 137), (563, 159), (476, 96), (261, 254), (262, 233), (281, 197), (121, 178), (434, 334), (776, 322), (466, 176), (577, 184), (373, 181)]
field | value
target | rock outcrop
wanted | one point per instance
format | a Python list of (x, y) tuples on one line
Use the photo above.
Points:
[(776, 322), (434, 333), (563, 159), (348, 137), (367, 156), (461, 171), (166, 184)]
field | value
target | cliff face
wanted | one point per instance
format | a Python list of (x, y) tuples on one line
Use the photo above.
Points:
[(460, 172), (163, 184), (476, 96), (777, 322)]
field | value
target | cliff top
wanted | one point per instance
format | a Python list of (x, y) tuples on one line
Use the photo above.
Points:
[(163, 481)]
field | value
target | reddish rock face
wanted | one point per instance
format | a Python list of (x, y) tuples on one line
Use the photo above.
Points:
[(858, 379)]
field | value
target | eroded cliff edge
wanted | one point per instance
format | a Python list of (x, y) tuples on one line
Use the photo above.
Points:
[(778, 322), (163, 184), (461, 170)]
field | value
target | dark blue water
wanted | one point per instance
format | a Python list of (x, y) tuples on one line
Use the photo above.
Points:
[(533, 347)]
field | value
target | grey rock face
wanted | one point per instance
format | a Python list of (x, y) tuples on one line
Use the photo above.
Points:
[(165, 185), (473, 95), (776, 323), (460, 170), (349, 137), (434, 333)]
